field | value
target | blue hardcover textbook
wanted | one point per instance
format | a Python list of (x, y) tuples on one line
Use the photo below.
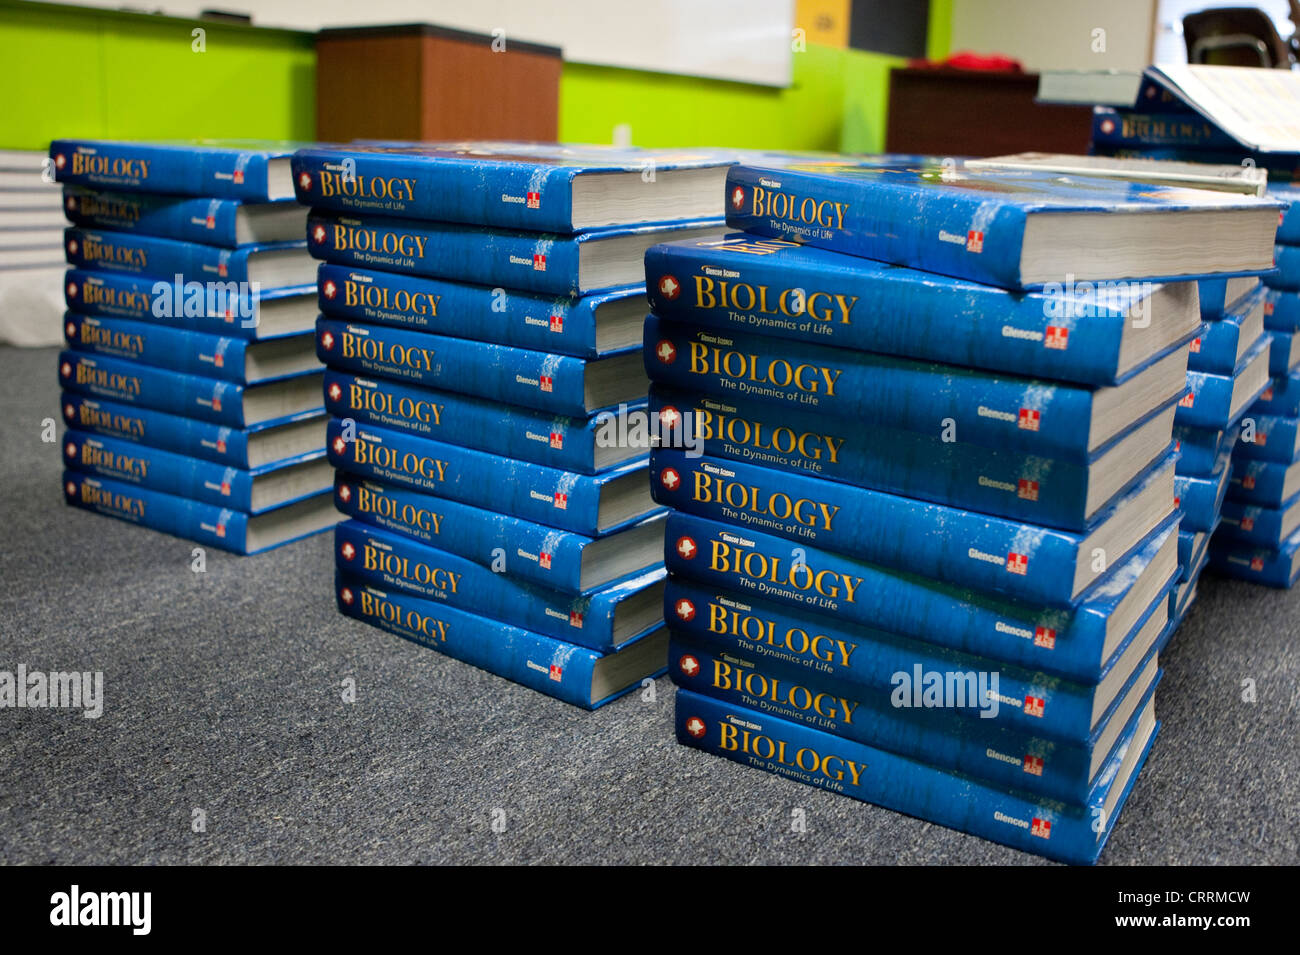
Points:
[(543, 381), (1009, 484), (1016, 759), (224, 169), (192, 353), (1005, 412), (1287, 274), (254, 491), (603, 620), (228, 223), (566, 671), (273, 264), (990, 554), (1273, 567), (244, 448), (1131, 129), (209, 524), (536, 553), (1060, 831), (1075, 643), (1264, 483), (1288, 229), (1013, 228), (1271, 438), (1284, 354), (591, 505), (213, 308), (1266, 527), (1191, 552), (1222, 344), (1219, 296), (1280, 397), (1218, 401), (538, 262), (1201, 449), (586, 327), (557, 441), (1091, 333), (540, 187), (1200, 498), (1282, 310), (208, 399)]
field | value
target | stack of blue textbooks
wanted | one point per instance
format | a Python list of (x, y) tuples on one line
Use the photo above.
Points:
[(481, 310), (1258, 538), (191, 387), (923, 528)]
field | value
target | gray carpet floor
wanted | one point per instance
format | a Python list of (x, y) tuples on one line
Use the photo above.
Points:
[(223, 693)]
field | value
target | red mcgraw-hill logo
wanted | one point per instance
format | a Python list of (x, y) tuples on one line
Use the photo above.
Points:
[(221, 445), (546, 383), (669, 287), (684, 609), (1018, 563), (1261, 437), (304, 181), (238, 176), (1029, 419), (210, 222), (539, 262), (347, 550), (216, 402), (557, 323), (1268, 307), (1196, 346), (686, 548), (670, 479), (318, 234), (1045, 637), (544, 559), (561, 500), (222, 269), (738, 198), (689, 665), (974, 241), (225, 488), (1187, 400), (1034, 705), (557, 672), (666, 351), (1248, 482), (575, 619), (1028, 490), (557, 439), (1257, 564), (1033, 765), (1057, 337), (1041, 828), (329, 288), (1248, 523), (221, 532), (534, 200)]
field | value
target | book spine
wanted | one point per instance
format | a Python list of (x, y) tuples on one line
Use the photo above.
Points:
[(207, 524), (1126, 130), (1019, 414), (541, 263), (537, 380), (175, 349), (226, 174), (144, 255), (1251, 524), (1214, 350), (531, 492), (552, 440), (1274, 438), (1286, 273), (507, 195), (141, 299), (1281, 311), (1207, 403), (502, 316), (531, 552), (1199, 450), (1266, 566), (869, 664), (1064, 643), (394, 562), (842, 305), (1004, 483), (1279, 354), (158, 470), (540, 663), (1281, 397), (876, 219), (1200, 499), (1258, 482), (220, 402), (217, 443), (208, 221), (964, 744), (984, 553), (873, 775)]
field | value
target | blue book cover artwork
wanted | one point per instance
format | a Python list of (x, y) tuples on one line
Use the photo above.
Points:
[(209, 524), (211, 308), (1266, 527), (542, 263), (1272, 567), (228, 223), (603, 620), (591, 505), (1089, 333), (535, 553), (1009, 484), (237, 488), (1075, 643), (1061, 831), (566, 671), (557, 441), (540, 187), (990, 554), (992, 226), (1029, 415), (233, 447), (221, 169), (585, 327), (272, 264), (559, 384)]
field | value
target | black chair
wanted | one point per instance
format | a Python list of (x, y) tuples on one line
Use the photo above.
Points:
[(1238, 36)]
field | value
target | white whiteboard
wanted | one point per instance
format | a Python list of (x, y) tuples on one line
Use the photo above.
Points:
[(743, 40)]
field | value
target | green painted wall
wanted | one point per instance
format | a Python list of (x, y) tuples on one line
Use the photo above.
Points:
[(76, 71)]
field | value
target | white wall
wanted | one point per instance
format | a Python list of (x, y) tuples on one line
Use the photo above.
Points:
[(1057, 34)]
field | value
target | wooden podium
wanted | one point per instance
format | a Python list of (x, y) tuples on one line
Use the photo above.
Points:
[(417, 81)]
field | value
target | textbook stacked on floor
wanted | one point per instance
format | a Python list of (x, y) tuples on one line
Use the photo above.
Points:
[(191, 387), (482, 308), (31, 249), (901, 569), (1259, 536)]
